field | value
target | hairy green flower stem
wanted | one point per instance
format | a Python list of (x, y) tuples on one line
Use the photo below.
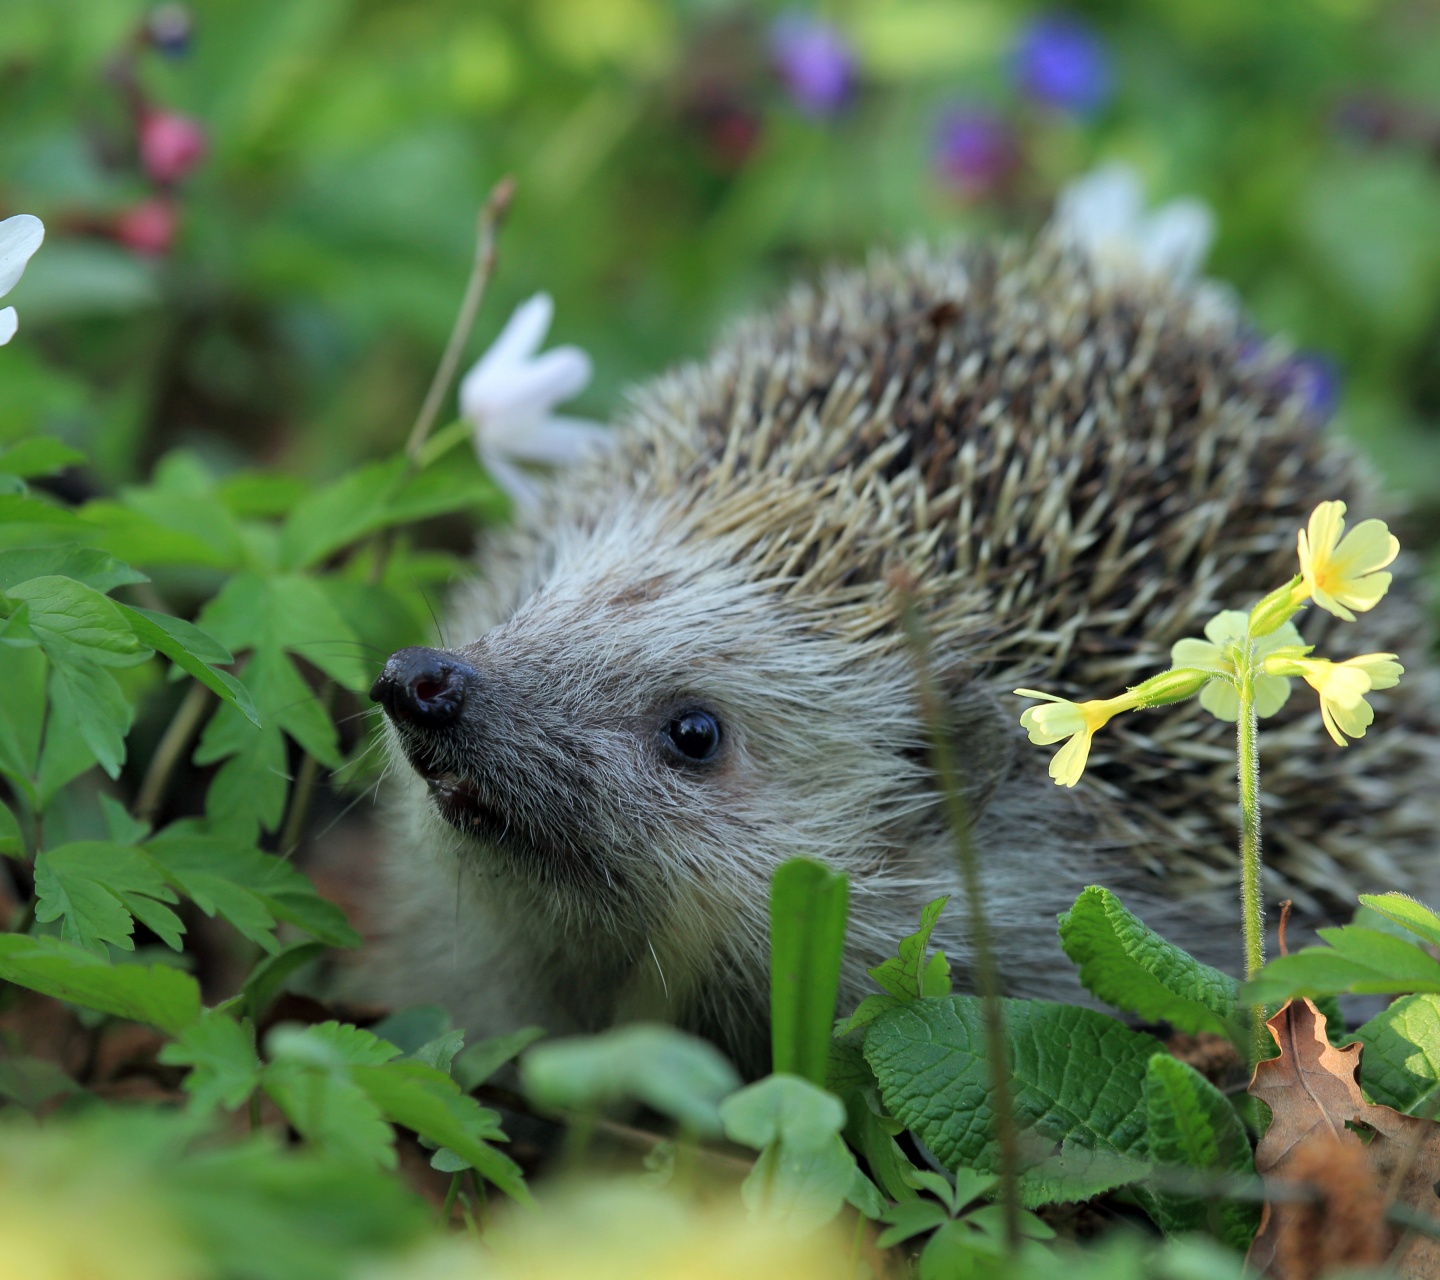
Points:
[(1247, 754), (942, 755), (492, 216)]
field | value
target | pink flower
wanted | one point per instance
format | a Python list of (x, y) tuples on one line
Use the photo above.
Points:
[(171, 145), (149, 227)]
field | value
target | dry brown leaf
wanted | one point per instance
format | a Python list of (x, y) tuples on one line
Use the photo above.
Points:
[(1313, 1091)]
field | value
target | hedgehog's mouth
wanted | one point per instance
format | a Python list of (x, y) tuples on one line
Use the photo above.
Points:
[(459, 802)]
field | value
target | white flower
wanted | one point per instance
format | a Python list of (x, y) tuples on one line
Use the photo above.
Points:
[(508, 396), (20, 236), (1103, 213)]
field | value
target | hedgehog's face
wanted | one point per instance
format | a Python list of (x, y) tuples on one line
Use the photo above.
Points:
[(641, 723)]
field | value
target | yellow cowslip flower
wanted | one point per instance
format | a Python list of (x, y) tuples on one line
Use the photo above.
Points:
[(1342, 687), (1224, 633), (1341, 574), (1077, 721)]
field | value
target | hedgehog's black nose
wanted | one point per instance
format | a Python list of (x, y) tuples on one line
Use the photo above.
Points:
[(423, 686)]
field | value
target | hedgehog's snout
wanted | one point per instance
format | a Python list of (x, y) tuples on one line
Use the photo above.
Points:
[(423, 687)]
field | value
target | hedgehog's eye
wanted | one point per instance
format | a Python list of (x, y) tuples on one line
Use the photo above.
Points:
[(695, 734)]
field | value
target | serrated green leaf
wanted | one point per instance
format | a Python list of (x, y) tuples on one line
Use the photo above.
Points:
[(1135, 970), (430, 1102), (12, 843), (38, 456), (87, 707), (331, 1112), (1401, 1064), (677, 1074), (909, 1218), (93, 568), (1077, 1078), (332, 517), (1190, 1123), (808, 908), (22, 713), (1358, 960), (225, 1069), (1406, 911), (77, 624), (122, 828), (907, 976), (481, 1061), (329, 1044), (97, 889), (156, 994), (138, 538), (192, 651)]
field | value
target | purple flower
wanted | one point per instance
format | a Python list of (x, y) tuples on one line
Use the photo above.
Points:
[(1060, 62), (975, 151), (815, 62), (1315, 379)]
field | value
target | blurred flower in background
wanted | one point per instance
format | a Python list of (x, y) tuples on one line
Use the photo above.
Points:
[(171, 145), (20, 236), (169, 28), (976, 151), (1315, 379), (1103, 214), (1059, 62), (149, 227), (814, 61), (508, 396)]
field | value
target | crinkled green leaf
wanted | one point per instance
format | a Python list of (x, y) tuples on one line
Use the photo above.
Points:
[(1077, 1080), (162, 996), (1136, 970), (1358, 960), (1190, 1123), (1401, 1064), (808, 908), (97, 889), (677, 1074), (225, 1069), (93, 568)]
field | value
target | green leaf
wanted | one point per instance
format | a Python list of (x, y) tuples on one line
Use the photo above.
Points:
[(481, 1061), (676, 1074), (430, 1102), (97, 889), (225, 1070), (909, 975), (805, 1172), (22, 713), (267, 980), (38, 456), (156, 994), (75, 623), (1077, 1079), (330, 1044), (1401, 1064), (909, 1218), (192, 651), (807, 938), (1358, 960), (18, 508), (86, 565), (1406, 911), (330, 1111), (88, 720), (12, 843), (1136, 970), (1190, 1123), (867, 1128)]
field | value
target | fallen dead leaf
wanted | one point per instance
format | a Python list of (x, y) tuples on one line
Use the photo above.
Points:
[(1313, 1092)]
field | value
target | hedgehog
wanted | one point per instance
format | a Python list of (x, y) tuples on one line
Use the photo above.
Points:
[(691, 664)]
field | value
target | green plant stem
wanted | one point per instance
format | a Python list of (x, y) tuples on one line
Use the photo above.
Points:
[(492, 214), (942, 754), (186, 720), (1247, 753), (448, 1207)]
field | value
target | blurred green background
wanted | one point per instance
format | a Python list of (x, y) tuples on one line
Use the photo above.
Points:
[(281, 300)]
